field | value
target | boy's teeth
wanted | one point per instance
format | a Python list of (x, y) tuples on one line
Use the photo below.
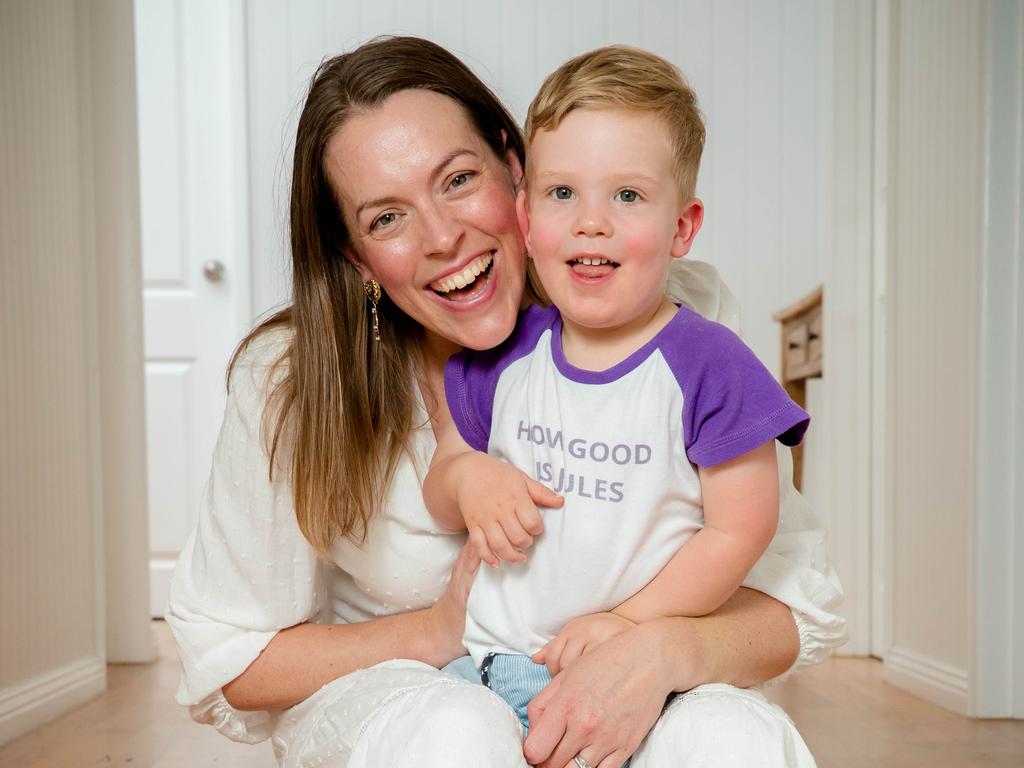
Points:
[(466, 277)]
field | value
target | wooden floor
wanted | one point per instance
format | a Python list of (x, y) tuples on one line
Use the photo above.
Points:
[(849, 717)]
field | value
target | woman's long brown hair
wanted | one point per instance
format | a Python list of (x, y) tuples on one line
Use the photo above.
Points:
[(339, 414)]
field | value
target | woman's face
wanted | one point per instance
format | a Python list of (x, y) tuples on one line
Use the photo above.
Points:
[(431, 212)]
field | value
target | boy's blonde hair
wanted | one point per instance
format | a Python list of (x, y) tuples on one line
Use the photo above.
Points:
[(623, 77)]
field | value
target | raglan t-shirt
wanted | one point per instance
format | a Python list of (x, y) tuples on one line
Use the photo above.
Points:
[(621, 445)]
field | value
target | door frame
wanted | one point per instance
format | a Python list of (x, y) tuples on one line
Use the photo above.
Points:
[(105, 30), (997, 636), (854, 384)]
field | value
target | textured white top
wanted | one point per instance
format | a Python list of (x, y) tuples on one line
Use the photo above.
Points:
[(247, 572)]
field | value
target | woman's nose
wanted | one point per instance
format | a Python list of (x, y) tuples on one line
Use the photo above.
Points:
[(442, 231)]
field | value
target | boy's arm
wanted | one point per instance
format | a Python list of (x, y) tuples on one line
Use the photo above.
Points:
[(441, 485), (493, 500), (741, 514)]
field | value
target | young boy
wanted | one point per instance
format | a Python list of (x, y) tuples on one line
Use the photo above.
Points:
[(655, 426)]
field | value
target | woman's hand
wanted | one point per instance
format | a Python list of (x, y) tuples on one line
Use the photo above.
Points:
[(579, 636), (447, 617), (603, 704)]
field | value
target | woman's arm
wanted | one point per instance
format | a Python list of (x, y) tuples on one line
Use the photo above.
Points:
[(300, 660), (612, 696), (248, 585)]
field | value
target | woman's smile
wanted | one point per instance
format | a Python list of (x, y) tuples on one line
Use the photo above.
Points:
[(462, 284)]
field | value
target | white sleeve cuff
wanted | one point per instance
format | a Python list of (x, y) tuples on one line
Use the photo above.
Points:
[(236, 724)]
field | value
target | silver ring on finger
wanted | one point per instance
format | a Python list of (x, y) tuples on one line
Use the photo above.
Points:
[(581, 762)]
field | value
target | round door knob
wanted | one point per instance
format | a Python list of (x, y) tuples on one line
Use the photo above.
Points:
[(214, 270)]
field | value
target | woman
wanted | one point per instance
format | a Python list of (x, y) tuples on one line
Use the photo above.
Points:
[(405, 174)]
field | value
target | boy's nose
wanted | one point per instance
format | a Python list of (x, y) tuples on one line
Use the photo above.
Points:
[(593, 222)]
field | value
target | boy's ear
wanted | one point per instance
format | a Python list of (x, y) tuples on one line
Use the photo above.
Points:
[(523, 214), (691, 216)]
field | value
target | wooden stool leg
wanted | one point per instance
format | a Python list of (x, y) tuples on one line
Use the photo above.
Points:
[(797, 391)]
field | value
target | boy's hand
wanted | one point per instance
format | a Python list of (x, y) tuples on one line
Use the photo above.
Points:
[(579, 636), (499, 506)]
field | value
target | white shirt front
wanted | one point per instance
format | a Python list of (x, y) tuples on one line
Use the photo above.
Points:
[(621, 446)]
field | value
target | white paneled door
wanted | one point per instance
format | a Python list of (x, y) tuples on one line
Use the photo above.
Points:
[(194, 240)]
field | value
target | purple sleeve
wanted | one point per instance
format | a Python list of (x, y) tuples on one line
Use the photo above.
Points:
[(731, 402), (471, 377)]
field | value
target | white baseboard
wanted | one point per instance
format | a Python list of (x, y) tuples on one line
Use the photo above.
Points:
[(41, 699), (161, 569), (931, 680)]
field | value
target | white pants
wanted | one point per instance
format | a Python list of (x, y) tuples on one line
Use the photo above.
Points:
[(401, 714)]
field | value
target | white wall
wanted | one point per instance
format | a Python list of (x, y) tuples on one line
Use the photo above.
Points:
[(69, 440), (936, 129), (760, 71), (50, 526)]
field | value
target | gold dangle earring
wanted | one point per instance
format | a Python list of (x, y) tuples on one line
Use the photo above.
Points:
[(372, 290)]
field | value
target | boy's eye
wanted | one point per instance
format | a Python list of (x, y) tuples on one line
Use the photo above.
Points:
[(384, 220), (628, 196), (562, 193)]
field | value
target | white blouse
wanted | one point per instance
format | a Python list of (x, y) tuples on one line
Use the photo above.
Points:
[(247, 572)]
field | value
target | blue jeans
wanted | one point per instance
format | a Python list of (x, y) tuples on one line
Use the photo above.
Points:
[(513, 677)]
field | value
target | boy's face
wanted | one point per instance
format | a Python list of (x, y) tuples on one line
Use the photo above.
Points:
[(603, 216)]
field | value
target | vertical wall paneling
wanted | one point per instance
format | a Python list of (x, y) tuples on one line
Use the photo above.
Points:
[(727, 154), (519, 53), (624, 23), (88, 65), (48, 491), (513, 47), (998, 616), (273, 96), (841, 468), (936, 219), (1017, 470), (658, 20), (805, 61), (762, 172), (881, 349), (50, 535), (235, 146)]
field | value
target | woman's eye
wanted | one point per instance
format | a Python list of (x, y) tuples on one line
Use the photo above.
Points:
[(460, 180), (628, 196), (562, 193), (384, 220)]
